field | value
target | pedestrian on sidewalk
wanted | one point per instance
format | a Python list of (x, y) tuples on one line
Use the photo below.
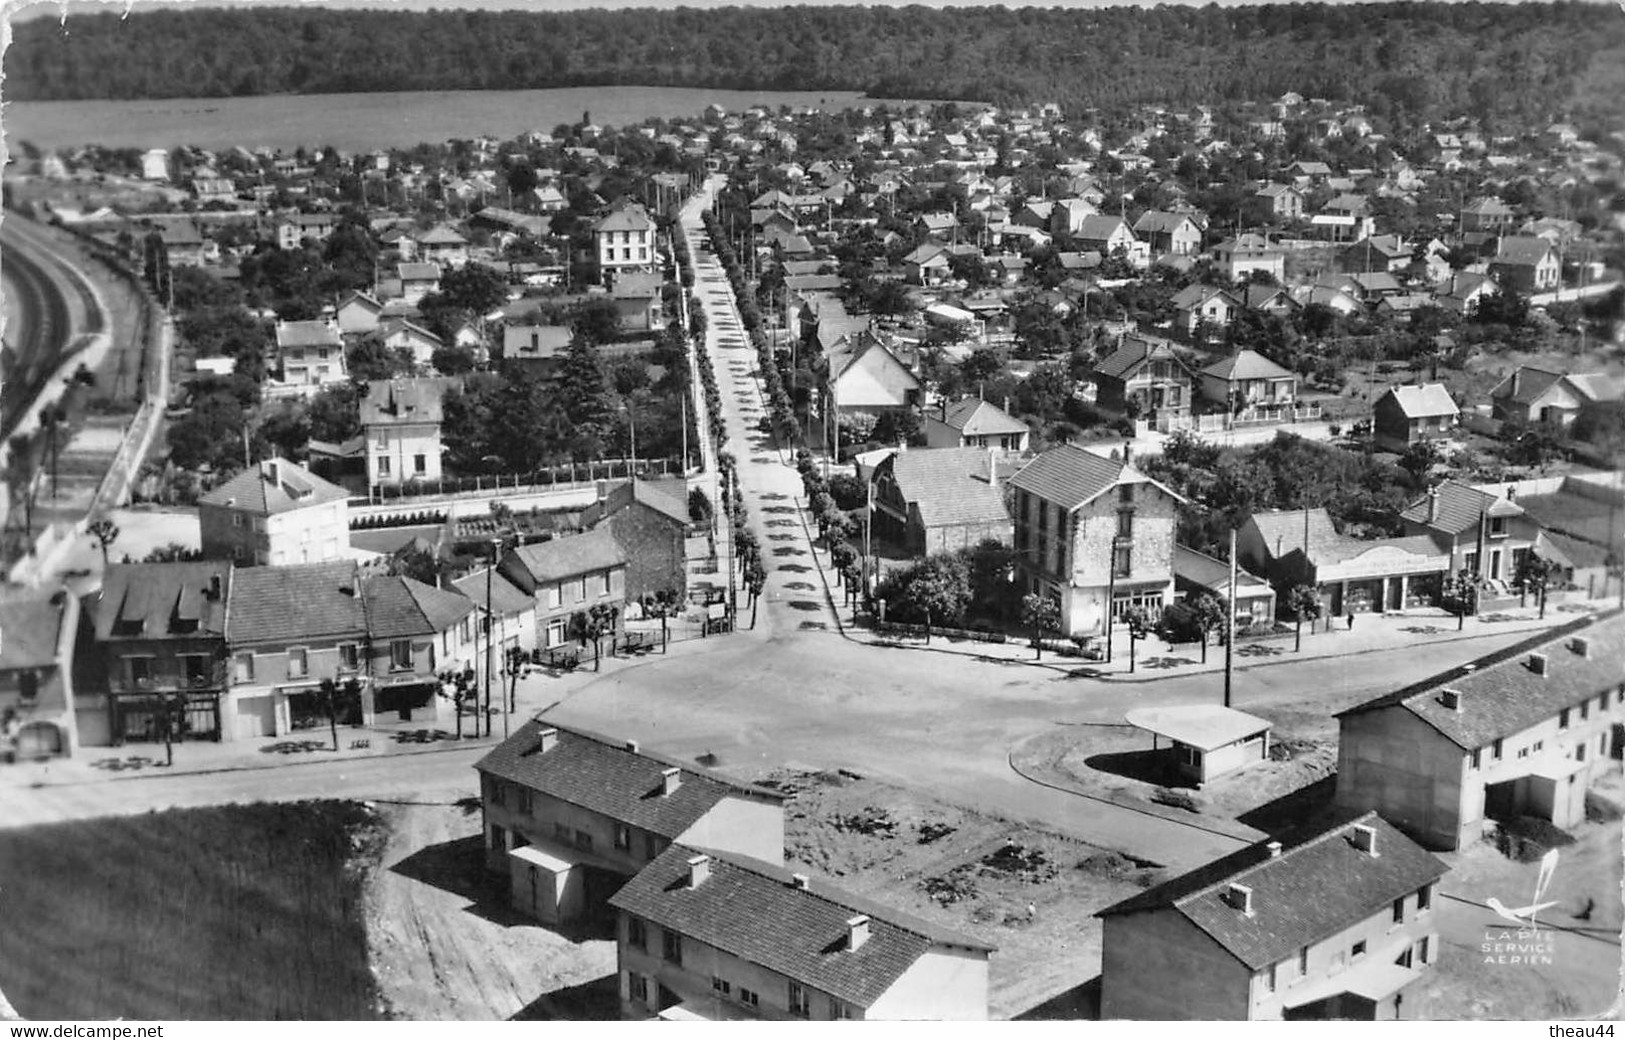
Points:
[(1351, 620)]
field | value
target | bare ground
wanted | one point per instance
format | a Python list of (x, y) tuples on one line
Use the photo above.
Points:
[(1028, 892), (444, 945)]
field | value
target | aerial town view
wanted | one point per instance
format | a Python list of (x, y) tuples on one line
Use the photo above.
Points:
[(812, 512)]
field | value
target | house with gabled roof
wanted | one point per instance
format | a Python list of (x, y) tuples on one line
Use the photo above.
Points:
[(707, 934), (310, 355), (511, 614), (1237, 258), (974, 423), (863, 375), (1107, 235), (1487, 214), (417, 280), (1387, 253), (358, 313), (1526, 263), (415, 632), (567, 577), (1338, 923), (275, 511), (1095, 535), (400, 419), (1524, 731), (625, 239), (649, 521), (1169, 233), (1350, 575), (443, 245), (1147, 374), (937, 499), (1534, 395), (1199, 307), (38, 718), (1405, 415), (569, 815), (1274, 204), (1251, 388), (1486, 533)]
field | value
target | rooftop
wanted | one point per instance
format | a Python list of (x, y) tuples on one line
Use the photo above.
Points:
[(295, 602), (274, 486), (1204, 726)]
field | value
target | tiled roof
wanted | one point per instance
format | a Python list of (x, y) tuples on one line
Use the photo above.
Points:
[(1523, 250), (295, 602), (608, 777), (506, 597), (1247, 364), (442, 235), (1123, 362), (667, 497), (1196, 294), (274, 486), (1070, 476), (1458, 507), (30, 630), (391, 401), (949, 486), (398, 606), (755, 911), (307, 334), (1314, 889), (570, 556), (1210, 573), (1501, 695), (1098, 227), (975, 417), (1426, 400), (1156, 222), (629, 217), (1247, 243), (418, 272), (155, 595), (1282, 530)]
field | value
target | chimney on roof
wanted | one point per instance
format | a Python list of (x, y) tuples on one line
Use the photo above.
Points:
[(670, 780), (1450, 698), (269, 470), (800, 881), (546, 740), (1128, 452), (1581, 645), (1538, 664), (942, 408), (1240, 897), (633, 746), (1274, 849), (214, 587), (857, 931), (1517, 374), (1364, 838), (699, 868), (1512, 492), (1433, 505)]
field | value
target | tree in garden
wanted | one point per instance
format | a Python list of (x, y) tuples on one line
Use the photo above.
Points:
[(1139, 623), (1210, 612), (1303, 602), (1041, 614), (938, 589), (106, 533), (1535, 575), (593, 624)]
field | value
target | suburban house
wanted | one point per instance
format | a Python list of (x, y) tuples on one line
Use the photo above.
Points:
[(1408, 414), (510, 613), (936, 499), (625, 240), (37, 708), (416, 632), (649, 521), (399, 334), (1521, 732), (972, 422), (927, 264), (1375, 253), (540, 344), (275, 512), (1107, 235), (317, 227), (1173, 234), (358, 314), (1274, 204), (160, 638), (1237, 258), (1527, 264), (1067, 216), (567, 577), (1581, 517), (1351, 575), (1202, 308), (1486, 534), (288, 629), (1146, 377), (1464, 291), (1251, 388), (442, 245), (184, 244), (1197, 574), (1533, 395), (863, 376), (1095, 535), (569, 815), (638, 303), (708, 934), (400, 421), (1338, 924), (1488, 215), (310, 354), (418, 279)]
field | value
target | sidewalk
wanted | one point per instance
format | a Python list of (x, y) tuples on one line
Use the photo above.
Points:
[(1156, 660)]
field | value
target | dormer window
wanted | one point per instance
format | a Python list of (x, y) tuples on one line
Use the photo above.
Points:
[(1498, 525)]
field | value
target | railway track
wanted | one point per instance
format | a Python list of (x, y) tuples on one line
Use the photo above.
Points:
[(44, 335)]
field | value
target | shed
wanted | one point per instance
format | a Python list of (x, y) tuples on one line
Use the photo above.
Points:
[(1207, 740)]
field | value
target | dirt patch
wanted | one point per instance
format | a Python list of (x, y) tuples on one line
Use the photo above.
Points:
[(1029, 892)]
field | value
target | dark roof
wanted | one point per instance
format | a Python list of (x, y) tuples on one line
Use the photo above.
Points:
[(755, 911), (30, 630), (1501, 695), (295, 602), (506, 597), (606, 776), (1123, 362), (569, 556), (391, 401), (1071, 477), (975, 417), (1283, 530), (162, 600), (1247, 364), (307, 334), (1459, 507), (949, 486), (1525, 384), (274, 486), (670, 502), (399, 606), (1204, 570), (1311, 891)]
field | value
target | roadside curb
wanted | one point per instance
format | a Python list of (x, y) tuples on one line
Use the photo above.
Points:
[(1241, 842)]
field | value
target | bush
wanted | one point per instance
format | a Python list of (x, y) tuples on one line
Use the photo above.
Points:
[(1176, 799), (1528, 838)]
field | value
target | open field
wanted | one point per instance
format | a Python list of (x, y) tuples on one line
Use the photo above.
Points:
[(239, 912)]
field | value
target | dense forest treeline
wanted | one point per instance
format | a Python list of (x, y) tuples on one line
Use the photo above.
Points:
[(1420, 60)]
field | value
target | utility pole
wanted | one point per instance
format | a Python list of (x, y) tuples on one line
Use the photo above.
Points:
[(1230, 622), (496, 551)]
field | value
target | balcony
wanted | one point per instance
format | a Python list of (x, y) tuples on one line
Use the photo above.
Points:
[(170, 676)]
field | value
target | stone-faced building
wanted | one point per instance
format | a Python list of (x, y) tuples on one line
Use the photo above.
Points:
[(1340, 924), (934, 500), (1094, 534), (649, 522)]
